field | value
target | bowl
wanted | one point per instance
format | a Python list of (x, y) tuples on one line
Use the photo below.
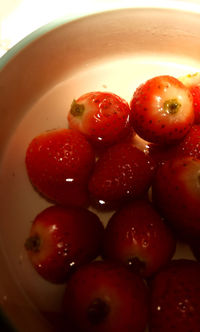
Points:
[(113, 51)]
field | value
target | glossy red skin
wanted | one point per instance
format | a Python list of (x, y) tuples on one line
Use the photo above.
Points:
[(137, 231), (124, 292), (175, 298), (150, 121), (58, 164), (195, 247), (190, 145), (106, 118), (69, 237), (176, 194), (160, 154), (122, 173), (195, 91), (192, 81)]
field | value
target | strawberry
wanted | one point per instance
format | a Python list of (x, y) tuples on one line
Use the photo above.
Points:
[(106, 297), (195, 247), (137, 236), (190, 144), (176, 193), (102, 116), (61, 239), (175, 298), (158, 153), (122, 173), (162, 110), (192, 81), (59, 163)]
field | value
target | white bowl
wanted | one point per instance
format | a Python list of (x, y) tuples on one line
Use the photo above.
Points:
[(110, 51)]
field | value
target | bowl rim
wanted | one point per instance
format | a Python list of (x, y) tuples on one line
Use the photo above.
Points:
[(56, 23), (177, 5)]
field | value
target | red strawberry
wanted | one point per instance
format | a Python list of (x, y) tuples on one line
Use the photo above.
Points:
[(176, 193), (161, 154), (61, 239), (190, 145), (175, 298), (162, 110), (192, 81), (158, 153), (105, 297), (102, 116), (137, 236), (122, 173), (59, 163)]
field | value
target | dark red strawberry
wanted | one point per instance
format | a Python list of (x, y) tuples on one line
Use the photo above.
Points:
[(176, 193), (192, 81), (61, 239), (161, 154), (105, 297), (175, 298), (102, 116), (162, 110), (137, 237), (195, 247), (59, 163), (122, 173)]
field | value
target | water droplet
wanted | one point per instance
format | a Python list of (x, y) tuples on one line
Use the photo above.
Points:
[(69, 180), (145, 243), (182, 306), (101, 202), (54, 228)]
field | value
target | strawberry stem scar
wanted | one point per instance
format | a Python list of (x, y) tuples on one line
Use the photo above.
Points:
[(171, 106), (33, 243), (77, 109), (97, 311)]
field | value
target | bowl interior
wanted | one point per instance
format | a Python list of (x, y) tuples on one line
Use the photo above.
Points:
[(111, 51)]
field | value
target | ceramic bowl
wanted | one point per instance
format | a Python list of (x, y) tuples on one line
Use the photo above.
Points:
[(109, 51)]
